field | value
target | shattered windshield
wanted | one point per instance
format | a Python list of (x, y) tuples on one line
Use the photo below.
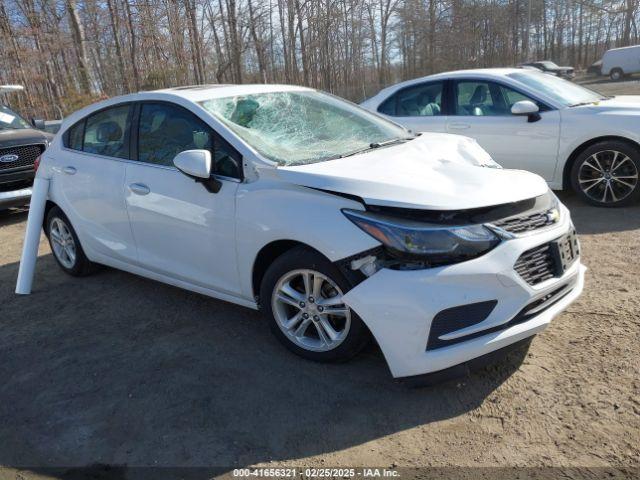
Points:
[(301, 127), (11, 120)]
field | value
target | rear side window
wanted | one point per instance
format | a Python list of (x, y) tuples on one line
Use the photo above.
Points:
[(73, 137), (420, 101), (106, 132), (388, 107)]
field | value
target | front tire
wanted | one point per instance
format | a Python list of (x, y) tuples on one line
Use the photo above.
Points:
[(616, 74), (301, 296), (65, 245), (606, 174)]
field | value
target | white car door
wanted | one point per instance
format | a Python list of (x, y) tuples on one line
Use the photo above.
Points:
[(483, 112), (182, 230), (418, 108), (89, 182)]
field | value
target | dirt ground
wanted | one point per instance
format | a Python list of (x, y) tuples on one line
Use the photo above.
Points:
[(114, 369)]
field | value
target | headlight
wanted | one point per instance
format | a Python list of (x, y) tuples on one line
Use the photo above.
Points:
[(433, 243)]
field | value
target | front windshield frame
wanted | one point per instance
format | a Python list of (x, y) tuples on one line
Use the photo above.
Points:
[(17, 123), (274, 143), (562, 92)]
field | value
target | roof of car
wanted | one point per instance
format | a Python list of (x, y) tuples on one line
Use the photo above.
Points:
[(485, 72), (191, 93), (197, 93)]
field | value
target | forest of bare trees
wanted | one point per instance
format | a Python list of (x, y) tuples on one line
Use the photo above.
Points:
[(68, 53)]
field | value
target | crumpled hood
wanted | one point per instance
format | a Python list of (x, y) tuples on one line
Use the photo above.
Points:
[(435, 171)]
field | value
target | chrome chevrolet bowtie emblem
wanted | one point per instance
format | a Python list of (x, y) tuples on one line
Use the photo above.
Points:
[(8, 158)]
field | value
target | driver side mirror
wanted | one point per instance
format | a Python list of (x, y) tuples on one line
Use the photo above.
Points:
[(528, 108), (37, 123), (196, 164)]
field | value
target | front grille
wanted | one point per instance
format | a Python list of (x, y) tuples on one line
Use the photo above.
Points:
[(527, 223), (27, 155), (536, 265)]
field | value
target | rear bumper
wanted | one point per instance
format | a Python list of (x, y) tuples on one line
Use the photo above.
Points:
[(399, 306), (15, 198)]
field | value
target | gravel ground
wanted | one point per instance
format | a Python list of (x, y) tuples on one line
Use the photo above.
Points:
[(630, 86), (117, 369), (114, 369)]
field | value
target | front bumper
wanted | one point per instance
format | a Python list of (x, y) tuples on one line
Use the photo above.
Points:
[(15, 198), (399, 306)]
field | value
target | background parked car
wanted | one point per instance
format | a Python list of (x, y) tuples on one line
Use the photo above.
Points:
[(20, 146), (595, 68), (551, 68), (619, 62), (517, 116)]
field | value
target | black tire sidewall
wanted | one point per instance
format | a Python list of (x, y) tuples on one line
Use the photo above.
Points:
[(619, 72), (82, 265), (305, 258), (632, 152)]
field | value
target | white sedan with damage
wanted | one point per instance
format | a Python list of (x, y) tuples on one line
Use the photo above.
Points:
[(339, 225)]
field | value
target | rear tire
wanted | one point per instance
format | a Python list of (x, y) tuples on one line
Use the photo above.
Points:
[(606, 174), (65, 245), (616, 74), (298, 293)]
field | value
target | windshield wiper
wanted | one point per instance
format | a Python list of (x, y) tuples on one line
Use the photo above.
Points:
[(390, 142), (582, 104), (374, 145)]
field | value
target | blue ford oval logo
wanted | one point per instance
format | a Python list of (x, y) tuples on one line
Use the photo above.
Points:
[(8, 158)]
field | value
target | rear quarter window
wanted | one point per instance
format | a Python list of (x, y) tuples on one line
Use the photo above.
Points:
[(73, 137)]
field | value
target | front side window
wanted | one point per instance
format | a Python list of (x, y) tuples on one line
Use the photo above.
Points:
[(166, 130), (480, 98), (10, 120), (106, 132), (301, 127), (475, 98), (510, 96), (420, 101)]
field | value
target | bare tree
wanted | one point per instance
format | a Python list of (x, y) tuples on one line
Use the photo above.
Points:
[(69, 52)]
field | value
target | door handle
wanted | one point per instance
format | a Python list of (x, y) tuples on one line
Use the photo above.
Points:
[(459, 126), (139, 188), (69, 170)]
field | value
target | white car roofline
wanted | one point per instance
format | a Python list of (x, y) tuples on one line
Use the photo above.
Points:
[(501, 74), (190, 98)]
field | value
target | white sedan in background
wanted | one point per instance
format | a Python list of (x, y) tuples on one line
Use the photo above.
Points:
[(569, 135), (338, 224)]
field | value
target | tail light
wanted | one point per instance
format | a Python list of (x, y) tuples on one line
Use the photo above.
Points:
[(36, 163)]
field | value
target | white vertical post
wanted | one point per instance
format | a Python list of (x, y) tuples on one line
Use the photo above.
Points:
[(32, 235)]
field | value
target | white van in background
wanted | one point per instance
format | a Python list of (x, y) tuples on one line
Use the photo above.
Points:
[(619, 62)]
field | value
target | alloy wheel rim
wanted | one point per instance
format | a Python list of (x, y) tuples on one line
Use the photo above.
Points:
[(608, 176), (64, 246), (309, 309)]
